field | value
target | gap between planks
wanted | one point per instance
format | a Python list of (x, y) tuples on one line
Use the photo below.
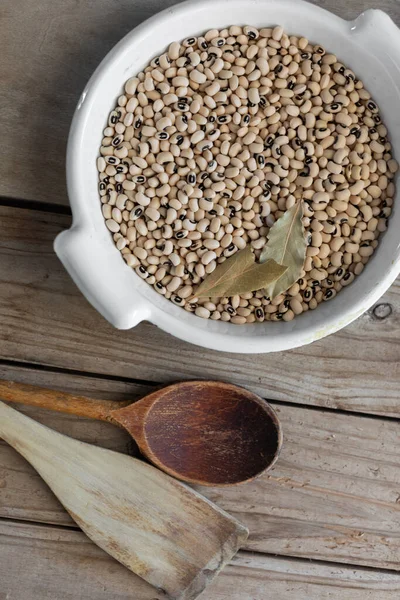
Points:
[(243, 551), (152, 385), (58, 209)]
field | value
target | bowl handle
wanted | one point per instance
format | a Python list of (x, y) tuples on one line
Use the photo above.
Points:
[(380, 33), (91, 270)]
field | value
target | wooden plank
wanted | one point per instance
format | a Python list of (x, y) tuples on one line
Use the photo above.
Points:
[(51, 563), (44, 319), (334, 494), (49, 50)]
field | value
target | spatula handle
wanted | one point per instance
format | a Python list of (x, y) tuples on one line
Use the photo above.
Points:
[(55, 400), (21, 432)]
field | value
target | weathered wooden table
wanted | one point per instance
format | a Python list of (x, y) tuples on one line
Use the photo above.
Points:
[(325, 522)]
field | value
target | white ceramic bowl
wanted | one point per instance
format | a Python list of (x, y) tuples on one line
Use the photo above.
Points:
[(370, 46)]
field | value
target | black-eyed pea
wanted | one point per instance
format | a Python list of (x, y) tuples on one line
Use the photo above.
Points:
[(324, 251), (321, 198), (355, 160), (358, 268), (215, 315), (321, 215), (377, 148), (318, 274), (345, 229), (313, 304), (212, 265), (365, 172), (356, 235), (330, 185), (339, 274), (337, 258), (308, 264), (383, 182), (343, 119), (372, 224), (294, 289), (374, 191), (347, 279), (142, 272), (319, 295), (366, 251), (312, 251), (316, 239), (340, 155), (131, 260), (333, 167), (326, 237), (243, 311), (352, 210), (202, 312), (296, 306), (367, 236), (238, 320), (308, 211), (348, 258), (329, 227), (317, 262), (366, 212), (329, 294), (288, 315), (340, 205)]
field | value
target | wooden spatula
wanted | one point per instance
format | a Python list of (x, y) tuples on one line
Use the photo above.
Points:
[(160, 529)]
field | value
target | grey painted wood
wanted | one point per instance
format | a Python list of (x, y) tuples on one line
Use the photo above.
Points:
[(49, 563), (45, 319), (48, 51), (333, 495)]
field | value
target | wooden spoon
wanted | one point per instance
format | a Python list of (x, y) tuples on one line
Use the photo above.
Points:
[(202, 432), (160, 529)]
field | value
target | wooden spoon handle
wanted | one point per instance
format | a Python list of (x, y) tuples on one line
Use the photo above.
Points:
[(60, 401)]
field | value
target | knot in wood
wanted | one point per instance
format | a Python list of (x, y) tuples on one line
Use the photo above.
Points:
[(382, 311)]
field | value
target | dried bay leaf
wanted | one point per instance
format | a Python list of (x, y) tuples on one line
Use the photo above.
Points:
[(256, 278), (287, 245), (239, 274)]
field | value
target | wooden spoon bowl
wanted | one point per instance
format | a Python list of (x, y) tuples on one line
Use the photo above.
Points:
[(202, 432), (205, 432)]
